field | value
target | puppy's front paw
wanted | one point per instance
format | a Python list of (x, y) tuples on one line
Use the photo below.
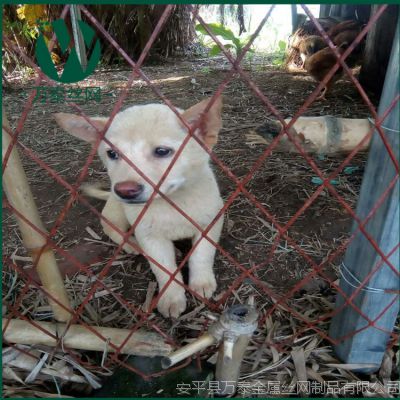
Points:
[(172, 303), (130, 249), (205, 286)]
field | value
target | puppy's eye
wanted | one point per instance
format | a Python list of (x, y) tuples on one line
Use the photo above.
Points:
[(113, 155), (162, 151)]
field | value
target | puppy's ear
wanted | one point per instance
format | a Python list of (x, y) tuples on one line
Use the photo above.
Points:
[(210, 122), (79, 127)]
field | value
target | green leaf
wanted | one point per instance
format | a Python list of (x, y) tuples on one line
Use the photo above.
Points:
[(217, 30), (214, 50), (282, 45), (238, 45)]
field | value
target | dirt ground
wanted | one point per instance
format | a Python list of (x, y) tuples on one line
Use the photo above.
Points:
[(282, 184)]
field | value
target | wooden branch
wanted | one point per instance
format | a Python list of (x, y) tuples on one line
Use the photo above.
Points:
[(326, 135), (20, 197), (142, 343)]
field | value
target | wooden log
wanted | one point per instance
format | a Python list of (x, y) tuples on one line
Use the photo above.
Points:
[(20, 197), (142, 343), (320, 134)]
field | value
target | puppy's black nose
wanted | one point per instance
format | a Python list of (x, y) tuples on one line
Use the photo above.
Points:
[(128, 190)]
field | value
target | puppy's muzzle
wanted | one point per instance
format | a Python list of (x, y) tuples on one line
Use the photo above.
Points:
[(129, 191)]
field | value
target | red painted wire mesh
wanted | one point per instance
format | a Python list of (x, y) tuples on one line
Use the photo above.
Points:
[(243, 273)]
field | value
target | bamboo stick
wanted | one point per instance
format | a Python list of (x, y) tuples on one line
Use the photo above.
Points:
[(142, 343), (240, 322), (232, 331), (20, 197), (195, 347)]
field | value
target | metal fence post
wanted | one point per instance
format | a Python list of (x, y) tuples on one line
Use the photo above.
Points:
[(78, 38), (368, 345)]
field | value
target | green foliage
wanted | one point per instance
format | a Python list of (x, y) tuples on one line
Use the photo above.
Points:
[(282, 45), (280, 54), (237, 44), (22, 24), (29, 21), (250, 57), (20, 28)]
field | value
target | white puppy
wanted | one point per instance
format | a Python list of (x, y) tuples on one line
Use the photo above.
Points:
[(149, 136)]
